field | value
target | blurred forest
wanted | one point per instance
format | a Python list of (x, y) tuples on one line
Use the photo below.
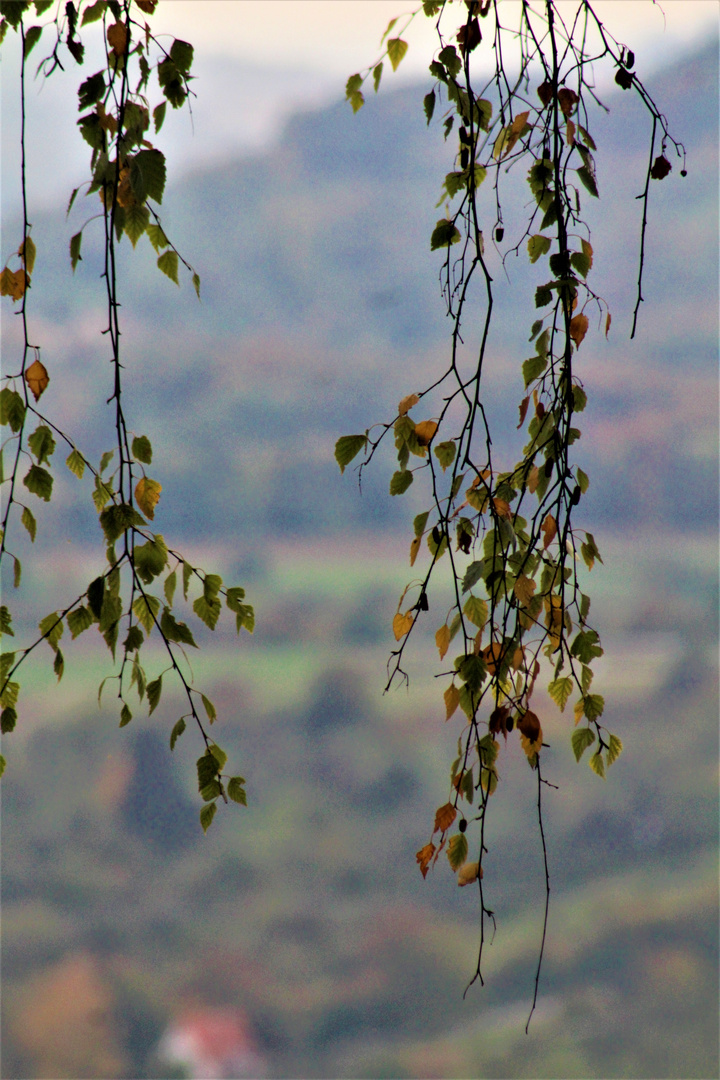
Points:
[(306, 911)]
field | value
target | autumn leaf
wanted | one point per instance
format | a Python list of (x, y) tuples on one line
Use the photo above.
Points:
[(442, 640), (502, 508), (117, 36), (147, 495), (529, 726), (524, 588), (578, 328), (444, 817), (567, 100), (570, 133), (533, 479), (414, 548), (492, 655), (27, 252), (549, 529), (554, 618), (523, 407), (424, 856), (660, 168), (13, 283), (425, 431), (608, 320), (545, 92), (402, 624), (37, 378), (457, 850), (468, 873), (452, 700), (407, 403)]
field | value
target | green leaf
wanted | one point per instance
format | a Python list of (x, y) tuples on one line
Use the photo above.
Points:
[(582, 479), (450, 59), (186, 573), (581, 739), (154, 690), (159, 115), (125, 715), (7, 658), (429, 105), (377, 76), (39, 482), (168, 263), (445, 453), (142, 449), (117, 519), (2, 764), (170, 586), (196, 284), (206, 815), (614, 749), (157, 238), (181, 54), (347, 447), (236, 791), (150, 559), (208, 612), (457, 850), (8, 719), (588, 181), (147, 177), (177, 732), (474, 572), (219, 754), (211, 790), (589, 552), (146, 608), (106, 459), (175, 631), (59, 665), (32, 36), (538, 245), (17, 574), (420, 522), (586, 646), (9, 696), (210, 710), (533, 368), (444, 234), (579, 398), (75, 243), (137, 676), (76, 463), (560, 690), (396, 49), (543, 295), (400, 482), (207, 769), (79, 620), (476, 610), (134, 639), (51, 628), (12, 409), (95, 595), (581, 262), (137, 219), (472, 671), (29, 522), (93, 13), (593, 705), (597, 764)]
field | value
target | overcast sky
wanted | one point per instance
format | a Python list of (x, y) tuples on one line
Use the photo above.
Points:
[(257, 61)]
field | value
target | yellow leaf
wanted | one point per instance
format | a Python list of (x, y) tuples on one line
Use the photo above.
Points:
[(27, 252), (533, 479), (402, 624), (425, 431), (579, 710), (578, 328), (407, 403), (424, 856), (147, 495), (13, 283), (37, 378), (502, 508), (554, 618), (524, 588), (117, 36), (549, 528), (444, 817), (518, 657), (469, 872), (442, 640), (452, 700), (414, 548)]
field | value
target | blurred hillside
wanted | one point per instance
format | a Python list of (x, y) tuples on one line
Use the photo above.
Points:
[(320, 309)]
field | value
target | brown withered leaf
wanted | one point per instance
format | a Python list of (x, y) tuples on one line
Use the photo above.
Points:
[(402, 624), (660, 168), (549, 529), (529, 726), (424, 856), (570, 133), (425, 431), (451, 698), (545, 92), (502, 508), (523, 407), (492, 655), (444, 817), (442, 640), (533, 479), (531, 748), (608, 320), (579, 328), (567, 100), (414, 548), (407, 403), (117, 37), (147, 495), (148, 6), (497, 725), (469, 872), (13, 283), (125, 194), (518, 658), (37, 378), (524, 588), (469, 37)]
